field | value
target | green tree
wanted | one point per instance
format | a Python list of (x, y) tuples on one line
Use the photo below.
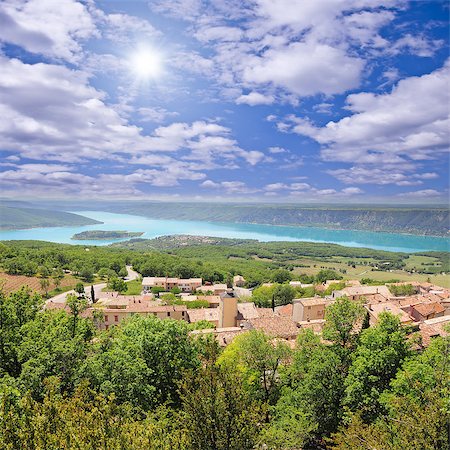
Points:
[(105, 273), (142, 361), (156, 290), (327, 274), (48, 348), (87, 274), (259, 360), (43, 271), (281, 276), (44, 285), (76, 305), (79, 289), (283, 294), (219, 413), (380, 352), (58, 276), (117, 285), (309, 407), (342, 318)]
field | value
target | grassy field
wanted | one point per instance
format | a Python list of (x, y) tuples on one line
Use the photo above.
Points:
[(134, 288), (362, 271)]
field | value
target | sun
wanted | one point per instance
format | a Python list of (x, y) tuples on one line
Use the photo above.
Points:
[(146, 63)]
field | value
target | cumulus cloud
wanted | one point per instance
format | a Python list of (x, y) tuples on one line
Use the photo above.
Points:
[(285, 49), (255, 98), (229, 187), (412, 121), (66, 24), (305, 68)]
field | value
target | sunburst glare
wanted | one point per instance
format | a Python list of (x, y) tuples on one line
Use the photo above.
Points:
[(146, 63)]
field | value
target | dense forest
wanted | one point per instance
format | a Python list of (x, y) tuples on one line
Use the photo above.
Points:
[(414, 220), (13, 218), (152, 384)]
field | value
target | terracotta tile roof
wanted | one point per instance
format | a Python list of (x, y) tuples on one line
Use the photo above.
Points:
[(265, 312), (428, 332), (209, 314), (312, 301), (247, 311), (376, 309), (276, 326), (285, 310), (426, 309)]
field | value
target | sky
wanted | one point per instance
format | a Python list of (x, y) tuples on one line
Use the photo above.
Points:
[(245, 100)]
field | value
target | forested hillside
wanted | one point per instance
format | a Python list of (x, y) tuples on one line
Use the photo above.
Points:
[(430, 221), (13, 218)]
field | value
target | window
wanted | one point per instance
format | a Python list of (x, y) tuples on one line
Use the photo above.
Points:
[(116, 318), (309, 307), (168, 314), (106, 318), (106, 327)]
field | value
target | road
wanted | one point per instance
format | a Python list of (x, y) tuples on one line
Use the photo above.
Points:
[(61, 298)]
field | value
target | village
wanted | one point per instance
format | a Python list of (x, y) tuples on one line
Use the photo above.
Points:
[(230, 311)]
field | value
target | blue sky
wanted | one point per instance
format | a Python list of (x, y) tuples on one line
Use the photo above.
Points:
[(268, 100)]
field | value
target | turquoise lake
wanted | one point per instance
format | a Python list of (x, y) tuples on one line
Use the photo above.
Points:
[(154, 228)]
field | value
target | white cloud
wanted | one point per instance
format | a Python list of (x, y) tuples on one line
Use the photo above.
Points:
[(223, 34), (285, 49), (275, 150), (156, 114), (424, 193), (305, 68), (352, 191), (417, 45), (125, 28), (410, 122), (255, 98), (229, 187), (42, 26)]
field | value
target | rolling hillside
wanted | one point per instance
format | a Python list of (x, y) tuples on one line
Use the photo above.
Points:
[(12, 218)]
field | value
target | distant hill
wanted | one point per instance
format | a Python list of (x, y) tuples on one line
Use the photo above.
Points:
[(413, 220), (12, 218)]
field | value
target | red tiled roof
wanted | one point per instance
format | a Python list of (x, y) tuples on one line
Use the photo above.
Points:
[(276, 326), (425, 309)]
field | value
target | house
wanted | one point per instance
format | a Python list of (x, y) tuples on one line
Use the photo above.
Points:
[(166, 283), (216, 289), (313, 308), (238, 281), (315, 325), (208, 314), (432, 328), (115, 310), (425, 311), (375, 309), (368, 293)]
